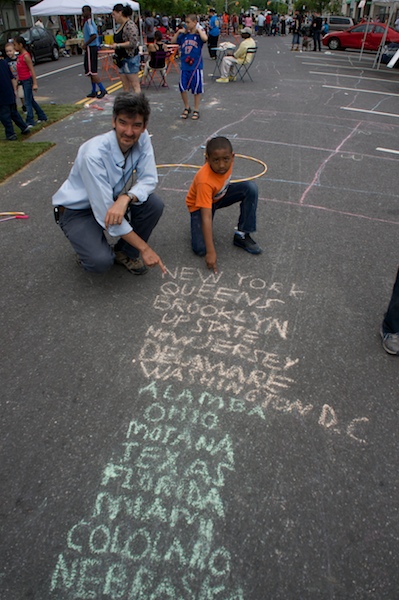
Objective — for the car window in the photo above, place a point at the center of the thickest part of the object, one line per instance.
(379, 29)
(359, 28)
(35, 33)
(9, 35)
(339, 21)
(42, 33)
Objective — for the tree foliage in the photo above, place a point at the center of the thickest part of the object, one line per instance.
(332, 7)
(199, 7)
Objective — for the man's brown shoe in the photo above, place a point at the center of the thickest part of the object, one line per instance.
(134, 265)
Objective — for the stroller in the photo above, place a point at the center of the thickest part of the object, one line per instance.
(306, 37)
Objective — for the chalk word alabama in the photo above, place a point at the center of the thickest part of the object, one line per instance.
(153, 531)
(232, 341)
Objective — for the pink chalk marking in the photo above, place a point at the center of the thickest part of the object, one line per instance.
(15, 217)
(316, 178)
(313, 206)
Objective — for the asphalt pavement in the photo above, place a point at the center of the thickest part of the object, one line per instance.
(211, 436)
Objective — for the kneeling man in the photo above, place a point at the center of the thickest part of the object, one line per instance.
(111, 187)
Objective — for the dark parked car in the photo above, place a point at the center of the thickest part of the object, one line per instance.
(41, 43)
(389, 52)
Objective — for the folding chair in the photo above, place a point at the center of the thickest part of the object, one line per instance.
(171, 60)
(156, 75)
(243, 69)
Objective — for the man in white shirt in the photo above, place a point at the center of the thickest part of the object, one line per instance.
(100, 194)
(261, 23)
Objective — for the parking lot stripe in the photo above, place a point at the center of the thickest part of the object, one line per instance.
(370, 112)
(353, 76)
(338, 87)
(388, 150)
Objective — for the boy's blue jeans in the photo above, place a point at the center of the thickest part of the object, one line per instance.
(246, 193)
(8, 114)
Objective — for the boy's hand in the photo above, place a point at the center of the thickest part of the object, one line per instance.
(210, 259)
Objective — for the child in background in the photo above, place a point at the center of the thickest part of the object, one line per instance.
(210, 190)
(27, 76)
(11, 58)
(61, 39)
(191, 38)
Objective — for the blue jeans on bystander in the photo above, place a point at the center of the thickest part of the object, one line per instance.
(31, 103)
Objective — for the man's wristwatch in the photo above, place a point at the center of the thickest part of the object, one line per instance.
(131, 196)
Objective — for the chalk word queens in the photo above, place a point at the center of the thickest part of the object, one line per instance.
(231, 341)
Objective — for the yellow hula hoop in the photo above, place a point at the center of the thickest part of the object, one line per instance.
(186, 166)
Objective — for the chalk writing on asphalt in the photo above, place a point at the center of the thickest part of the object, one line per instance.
(233, 339)
(153, 528)
(156, 524)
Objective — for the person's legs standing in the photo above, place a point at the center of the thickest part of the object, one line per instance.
(28, 94)
(41, 115)
(212, 45)
(87, 239)
(391, 319)
(129, 74)
(316, 41)
(390, 324)
(18, 120)
(197, 88)
(6, 121)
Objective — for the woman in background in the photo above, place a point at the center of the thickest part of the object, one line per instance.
(126, 48)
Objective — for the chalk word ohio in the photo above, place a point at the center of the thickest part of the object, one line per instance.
(153, 528)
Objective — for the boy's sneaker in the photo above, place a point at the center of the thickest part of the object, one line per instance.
(246, 243)
(222, 80)
(26, 131)
(134, 265)
(390, 342)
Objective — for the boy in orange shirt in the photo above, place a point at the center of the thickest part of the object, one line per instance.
(210, 190)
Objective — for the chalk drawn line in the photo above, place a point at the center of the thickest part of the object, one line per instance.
(187, 166)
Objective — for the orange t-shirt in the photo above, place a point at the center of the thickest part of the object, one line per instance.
(207, 188)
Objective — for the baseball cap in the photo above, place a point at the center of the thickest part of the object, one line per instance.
(246, 30)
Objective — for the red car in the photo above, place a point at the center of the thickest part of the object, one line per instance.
(353, 37)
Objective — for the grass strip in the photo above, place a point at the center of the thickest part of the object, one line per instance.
(15, 155)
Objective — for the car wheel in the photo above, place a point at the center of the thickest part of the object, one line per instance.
(55, 54)
(334, 44)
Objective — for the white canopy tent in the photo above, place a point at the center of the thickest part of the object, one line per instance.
(51, 8)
